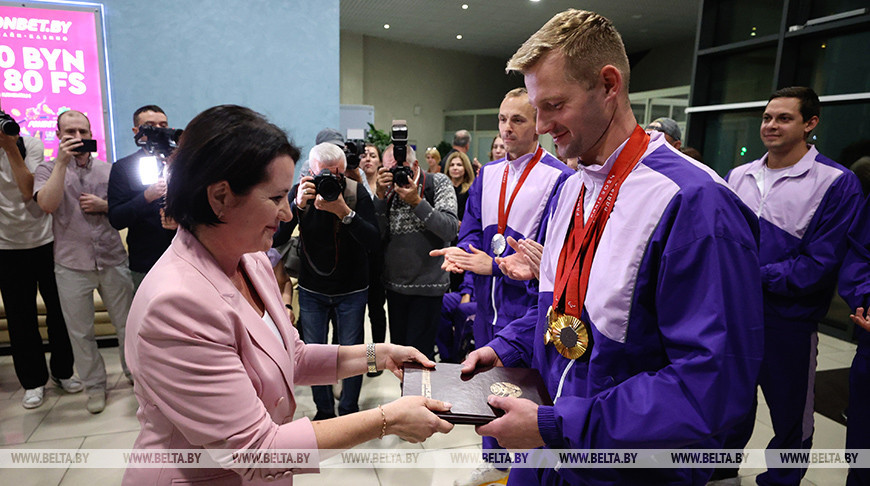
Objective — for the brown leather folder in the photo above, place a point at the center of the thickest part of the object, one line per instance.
(468, 393)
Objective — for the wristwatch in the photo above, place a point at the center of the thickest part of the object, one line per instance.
(371, 358)
(349, 218)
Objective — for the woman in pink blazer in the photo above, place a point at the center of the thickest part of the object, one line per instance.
(212, 351)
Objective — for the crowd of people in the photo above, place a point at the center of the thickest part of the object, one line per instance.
(652, 295)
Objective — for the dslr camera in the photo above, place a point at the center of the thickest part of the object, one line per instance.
(158, 140)
(402, 174)
(353, 149)
(8, 125)
(329, 185)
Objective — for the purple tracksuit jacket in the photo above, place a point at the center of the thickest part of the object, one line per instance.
(499, 298)
(674, 304)
(803, 219)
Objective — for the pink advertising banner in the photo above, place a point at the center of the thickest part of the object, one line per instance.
(50, 60)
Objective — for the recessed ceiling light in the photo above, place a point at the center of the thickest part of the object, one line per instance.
(459, 36)
(464, 6)
(386, 26)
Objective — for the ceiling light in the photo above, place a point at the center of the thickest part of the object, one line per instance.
(459, 36)
(386, 26)
(464, 6)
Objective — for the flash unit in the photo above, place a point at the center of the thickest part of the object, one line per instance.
(149, 170)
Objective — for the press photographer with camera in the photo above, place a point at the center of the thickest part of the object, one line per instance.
(27, 262)
(337, 230)
(416, 214)
(135, 199)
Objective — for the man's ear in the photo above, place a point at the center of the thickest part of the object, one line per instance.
(135, 131)
(220, 196)
(811, 125)
(611, 78)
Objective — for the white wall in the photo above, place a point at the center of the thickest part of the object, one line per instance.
(189, 56)
(395, 77)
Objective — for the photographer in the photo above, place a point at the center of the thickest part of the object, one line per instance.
(135, 204)
(338, 230)
(416, 214)
(27, 262)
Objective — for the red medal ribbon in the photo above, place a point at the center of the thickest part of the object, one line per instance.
(502, 212)
(582, 239)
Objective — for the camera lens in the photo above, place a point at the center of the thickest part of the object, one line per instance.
(8, 126)
(328, 185)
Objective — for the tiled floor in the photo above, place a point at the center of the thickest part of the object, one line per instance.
(63, 423)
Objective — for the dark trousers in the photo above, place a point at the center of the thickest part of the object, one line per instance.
(787, 378)
(347, 312)
(22, 272)
(377, 297)
(858, 419)
(414, 320)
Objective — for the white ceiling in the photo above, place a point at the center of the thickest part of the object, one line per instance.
(498, 27)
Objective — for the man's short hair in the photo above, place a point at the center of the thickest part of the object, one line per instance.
(224, 143)
(518, 92)
(807, 98)
(587, 40)
(154, 108)
(326, 153)
(64, 112)
(462, 138)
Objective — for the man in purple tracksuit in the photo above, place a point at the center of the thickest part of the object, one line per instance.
(855, 290)
(805, 203)
(673, 308)
(508, 198)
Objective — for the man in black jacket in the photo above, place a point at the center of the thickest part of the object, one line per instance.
(136, 205)
(338, 230)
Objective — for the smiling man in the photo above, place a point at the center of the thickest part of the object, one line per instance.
(663, 349)
(805, 203)
(507, 199)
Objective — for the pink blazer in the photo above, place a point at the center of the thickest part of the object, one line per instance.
(210, 374)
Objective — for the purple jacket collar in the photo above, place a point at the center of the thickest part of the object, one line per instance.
(800, 168)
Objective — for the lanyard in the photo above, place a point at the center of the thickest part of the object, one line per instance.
(582, 239)
(502, 211)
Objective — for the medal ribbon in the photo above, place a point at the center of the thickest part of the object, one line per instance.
(582, 239)
(502, 212)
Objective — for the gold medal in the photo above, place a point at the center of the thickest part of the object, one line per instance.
(567, 333)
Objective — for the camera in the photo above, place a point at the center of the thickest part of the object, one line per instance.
(158, 140)
(8, 125)
(353, 149)
(402, 174)
(329, 185)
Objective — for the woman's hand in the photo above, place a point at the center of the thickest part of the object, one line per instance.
(392, 357)
(411, 418)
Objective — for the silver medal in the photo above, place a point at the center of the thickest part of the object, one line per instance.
(499, 244)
